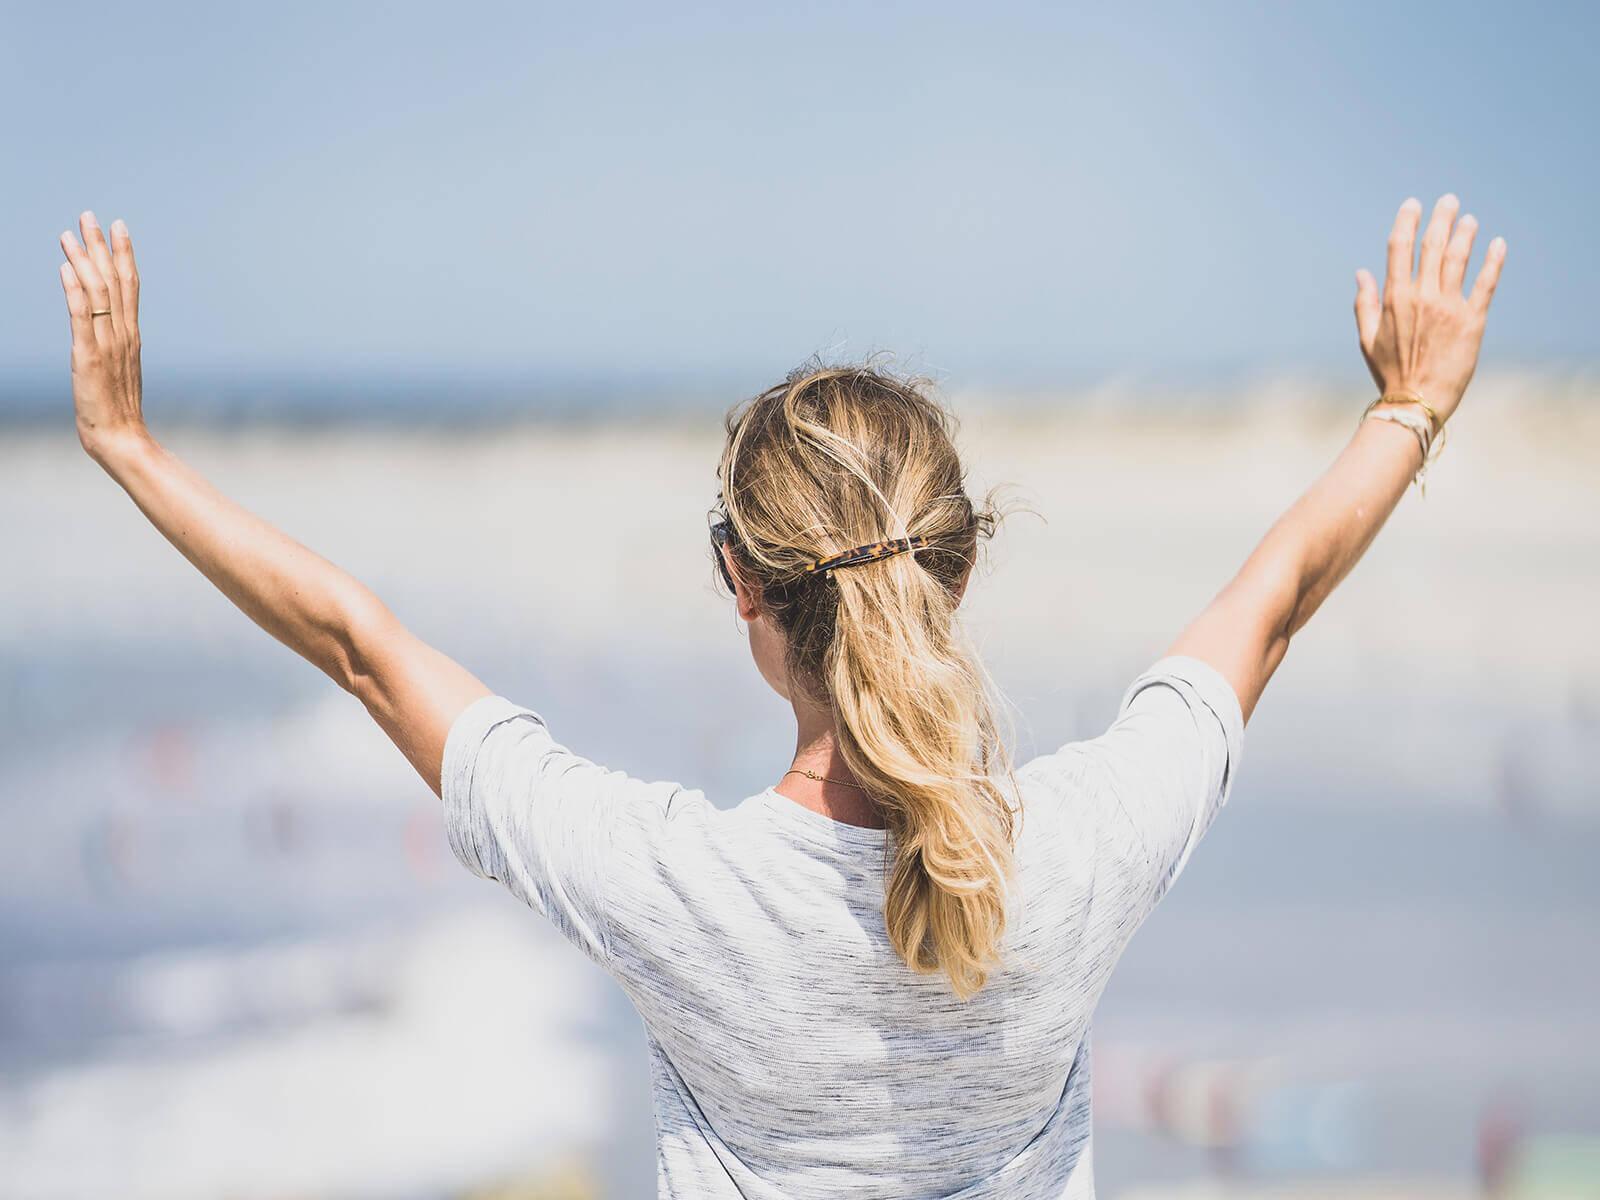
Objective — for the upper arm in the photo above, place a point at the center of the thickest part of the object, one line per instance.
(1243, 634)
(413, 691)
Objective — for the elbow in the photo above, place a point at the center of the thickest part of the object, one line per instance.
(356, 645)
(1277, 593)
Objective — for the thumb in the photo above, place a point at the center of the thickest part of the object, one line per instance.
(1367, 308)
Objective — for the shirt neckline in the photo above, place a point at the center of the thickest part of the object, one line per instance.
(820, 827)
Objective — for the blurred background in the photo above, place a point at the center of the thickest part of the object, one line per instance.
(456, 294)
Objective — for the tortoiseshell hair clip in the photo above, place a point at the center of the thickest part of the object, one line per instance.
(872, 552)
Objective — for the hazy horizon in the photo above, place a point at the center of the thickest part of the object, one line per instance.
(1023, 193)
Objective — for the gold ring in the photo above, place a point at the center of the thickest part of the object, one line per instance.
(103, 312)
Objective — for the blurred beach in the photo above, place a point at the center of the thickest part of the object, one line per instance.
(237, 958)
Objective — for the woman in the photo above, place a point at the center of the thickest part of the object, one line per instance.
(875, 977)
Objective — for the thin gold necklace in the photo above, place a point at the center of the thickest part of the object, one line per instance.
(822, 778)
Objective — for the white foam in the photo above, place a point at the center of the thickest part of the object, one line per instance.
(474, 1065)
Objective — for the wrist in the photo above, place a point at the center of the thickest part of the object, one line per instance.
(1440, 402)
(1409, 417)
(1390, 435)
(116, 450)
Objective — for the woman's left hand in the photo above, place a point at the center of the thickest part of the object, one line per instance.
(102, 288)
(1423, 333)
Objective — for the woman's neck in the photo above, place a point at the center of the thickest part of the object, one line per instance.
(836, 795)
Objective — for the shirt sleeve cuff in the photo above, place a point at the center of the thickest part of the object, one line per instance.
(1205, 691)
(466, 820)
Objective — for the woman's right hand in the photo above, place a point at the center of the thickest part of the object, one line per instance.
(1423, 334)
(102, 287)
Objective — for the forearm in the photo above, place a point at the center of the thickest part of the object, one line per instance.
(1245, 631)
(1324, 534)
(298, 597)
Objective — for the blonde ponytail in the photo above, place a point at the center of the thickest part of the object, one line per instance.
(842, 456)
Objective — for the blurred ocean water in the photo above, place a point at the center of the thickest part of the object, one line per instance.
(237, 958)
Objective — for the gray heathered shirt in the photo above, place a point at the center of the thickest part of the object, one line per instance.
(793, 1053)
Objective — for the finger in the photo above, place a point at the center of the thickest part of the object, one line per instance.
(94, 241)
(127, 272)
(1431, 258)
(1456, 255)
(94, 286)
(1368, 308)
(1488, 276)
(77, 307)
(1402, 241)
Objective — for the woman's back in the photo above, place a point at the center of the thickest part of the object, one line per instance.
(793, 1054)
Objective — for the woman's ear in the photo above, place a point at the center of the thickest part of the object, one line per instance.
(961, 588)
(745, 598)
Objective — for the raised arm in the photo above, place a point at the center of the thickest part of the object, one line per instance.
(1420, 339)
(320, 612)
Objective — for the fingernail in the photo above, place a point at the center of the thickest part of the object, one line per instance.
(1449, 198)
(1412, 202)
(1469, 219)
(89, 218)
(119, 227)
(1498, 244)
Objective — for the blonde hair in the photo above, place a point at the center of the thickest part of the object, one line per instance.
(841, 456)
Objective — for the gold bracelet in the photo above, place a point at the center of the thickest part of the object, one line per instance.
(1399, 397)
(1430, 437)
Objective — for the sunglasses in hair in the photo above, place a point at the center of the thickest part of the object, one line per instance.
(722, 535)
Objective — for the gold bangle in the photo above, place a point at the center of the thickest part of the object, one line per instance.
(1398, 397)
(1430, 439)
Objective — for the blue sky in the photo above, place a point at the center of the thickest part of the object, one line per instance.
(990, 190)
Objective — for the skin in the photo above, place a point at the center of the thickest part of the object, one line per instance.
(1421, 335)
